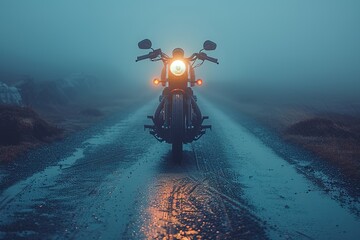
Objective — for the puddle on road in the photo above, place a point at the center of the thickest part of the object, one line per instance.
(292, 205)
(185, 202)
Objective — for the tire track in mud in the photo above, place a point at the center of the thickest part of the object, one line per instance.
(199, 199)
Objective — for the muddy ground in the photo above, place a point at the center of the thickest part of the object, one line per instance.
(56, 122)
(332, 133)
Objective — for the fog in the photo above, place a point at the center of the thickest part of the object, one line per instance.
(281, 47)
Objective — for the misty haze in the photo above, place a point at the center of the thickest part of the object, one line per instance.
(179, 119)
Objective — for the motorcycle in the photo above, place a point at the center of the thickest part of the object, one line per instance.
(177, 119)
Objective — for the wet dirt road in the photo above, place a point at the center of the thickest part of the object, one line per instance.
(114, 181)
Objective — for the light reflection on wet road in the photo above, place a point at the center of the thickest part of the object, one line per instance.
(117, 182)
(194, 202)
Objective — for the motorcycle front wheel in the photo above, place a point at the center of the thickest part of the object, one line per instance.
(177, 126)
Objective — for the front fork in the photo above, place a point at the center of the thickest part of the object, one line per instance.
(189, 96)
(166, 107)
(162, 117)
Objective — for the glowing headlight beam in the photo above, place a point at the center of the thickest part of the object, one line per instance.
(178, 67)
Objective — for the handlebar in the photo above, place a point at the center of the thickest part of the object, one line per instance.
(156, 53)
(211, 59)
(204, 56)
(143, 57)
(151, 55)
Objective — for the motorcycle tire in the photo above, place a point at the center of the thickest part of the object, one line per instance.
(177, 126)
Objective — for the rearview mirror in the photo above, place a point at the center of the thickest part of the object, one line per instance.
(145, 44)
(209, 45)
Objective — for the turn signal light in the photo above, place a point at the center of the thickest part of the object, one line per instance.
(156, 81)
(199, 82)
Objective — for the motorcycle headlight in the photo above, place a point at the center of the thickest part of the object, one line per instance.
(178, 67)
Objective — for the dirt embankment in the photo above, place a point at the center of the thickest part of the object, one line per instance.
(332, 137)
(71, 104)
(22, 128)
(331, 133)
